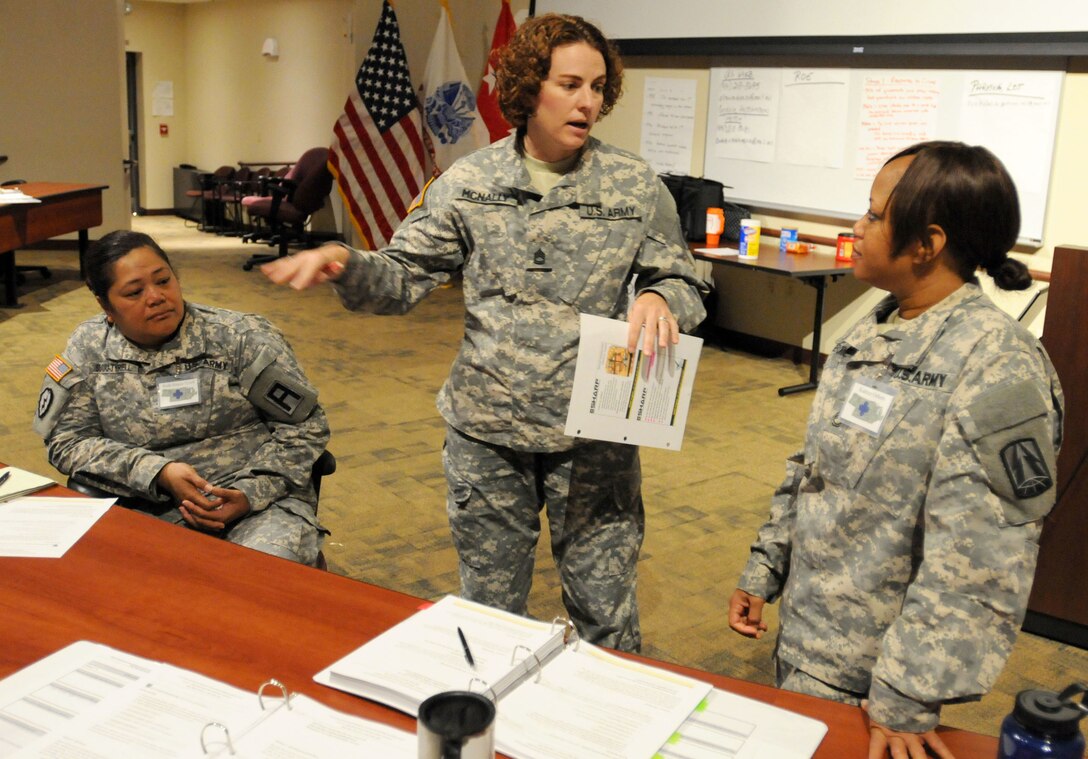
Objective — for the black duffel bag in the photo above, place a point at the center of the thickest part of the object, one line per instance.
(693, 195)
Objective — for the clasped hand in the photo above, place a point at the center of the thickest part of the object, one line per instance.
(203, 505)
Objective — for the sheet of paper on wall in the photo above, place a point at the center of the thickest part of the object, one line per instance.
(47, 527)
(625, 398)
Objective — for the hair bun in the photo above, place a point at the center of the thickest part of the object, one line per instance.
(1010, 274)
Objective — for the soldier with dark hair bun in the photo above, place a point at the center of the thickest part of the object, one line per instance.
(903, 540)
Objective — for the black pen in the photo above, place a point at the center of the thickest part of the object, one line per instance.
(464, 646)
(4, 478)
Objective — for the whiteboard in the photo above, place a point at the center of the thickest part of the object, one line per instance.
(812, 139)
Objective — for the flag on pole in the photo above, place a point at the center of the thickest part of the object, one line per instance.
(377, 154)
(487, 100)
(449, 105)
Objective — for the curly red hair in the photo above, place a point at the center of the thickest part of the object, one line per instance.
(525, 61)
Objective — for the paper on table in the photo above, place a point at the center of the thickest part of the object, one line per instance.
(422, 655)
(728, 726)
(12, 195)
(554, 701)
(91, 700)
(47, 527)
(719, 252)
(20, 482)
(310, 729)
(630, 399)
(588, 702)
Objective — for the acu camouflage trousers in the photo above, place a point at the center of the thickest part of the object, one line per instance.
(593, 500)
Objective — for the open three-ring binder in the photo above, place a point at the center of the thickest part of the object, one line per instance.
(92, 700)
(556, 696)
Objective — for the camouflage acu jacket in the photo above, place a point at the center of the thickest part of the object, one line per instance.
(530, 265)
(252, 421)
(904, 546)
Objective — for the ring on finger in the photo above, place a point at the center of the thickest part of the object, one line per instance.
(662, 318)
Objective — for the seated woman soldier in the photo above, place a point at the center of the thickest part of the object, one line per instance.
(198, 415)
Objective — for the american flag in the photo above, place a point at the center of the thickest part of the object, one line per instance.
(377, 153)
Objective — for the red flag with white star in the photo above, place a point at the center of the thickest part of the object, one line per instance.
(487, 103)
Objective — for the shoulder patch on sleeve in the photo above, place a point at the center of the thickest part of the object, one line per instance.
(58, 368)
(51, 401)
(418, 202)
(282, 396)
(276, 392)
(1026, 468)
(1011, 429)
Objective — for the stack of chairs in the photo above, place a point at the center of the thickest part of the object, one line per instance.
(290, 203)
(213, 208)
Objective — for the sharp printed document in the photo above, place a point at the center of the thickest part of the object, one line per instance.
(47, 527)
(623, 398)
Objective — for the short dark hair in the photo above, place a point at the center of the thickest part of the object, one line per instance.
(966, 191)
(526, 60)
(98, 263)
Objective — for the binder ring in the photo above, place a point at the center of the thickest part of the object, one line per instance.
(539, 667)
(226, 737)
(487, 689)
(568, 630)
(528, 653)
(274, 683)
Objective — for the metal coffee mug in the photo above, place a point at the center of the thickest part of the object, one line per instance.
(456, 724)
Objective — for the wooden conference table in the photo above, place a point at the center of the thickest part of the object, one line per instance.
(64, 208)
(814, 269)
(165, 593)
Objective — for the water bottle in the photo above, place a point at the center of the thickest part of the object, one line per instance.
(1044, 725)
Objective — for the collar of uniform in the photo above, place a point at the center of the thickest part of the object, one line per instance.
(582, 183)
(918, 334)
(188, 342)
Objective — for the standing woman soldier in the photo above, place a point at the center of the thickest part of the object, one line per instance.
(544, 224)
(903, 540)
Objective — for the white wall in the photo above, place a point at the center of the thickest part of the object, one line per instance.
(233, 104)
(156, 32)
(62, 97)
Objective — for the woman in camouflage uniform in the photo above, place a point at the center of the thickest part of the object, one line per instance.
(198, 415)
(903, 540)
(543, 224)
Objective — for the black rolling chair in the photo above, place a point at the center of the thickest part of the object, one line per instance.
(294, 198)
(325, 465)
(20, 270)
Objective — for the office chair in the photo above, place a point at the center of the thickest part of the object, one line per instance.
(293, 199)
(212, 214)
(19, 270)
(325, 465)
(231, 192)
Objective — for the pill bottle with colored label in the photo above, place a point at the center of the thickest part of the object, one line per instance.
(749, 238)
(785, 237)
(844, 251)
(715, 225)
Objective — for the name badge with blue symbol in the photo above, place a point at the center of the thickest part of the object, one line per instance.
(867, 405)
(183, 390)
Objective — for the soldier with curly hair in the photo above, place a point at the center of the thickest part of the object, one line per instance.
(544, 224)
